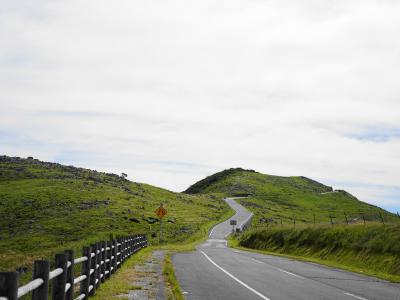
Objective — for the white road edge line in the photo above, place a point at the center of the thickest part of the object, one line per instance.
(287, 272)
(236, 279)
(257, 261)
(355, 296)
(212, 230)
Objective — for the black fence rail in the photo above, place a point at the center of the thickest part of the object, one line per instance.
(98, 263)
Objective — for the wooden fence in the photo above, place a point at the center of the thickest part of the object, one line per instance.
(98, 263)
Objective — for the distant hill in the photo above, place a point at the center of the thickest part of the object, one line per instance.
(47, 206)
(290, 199)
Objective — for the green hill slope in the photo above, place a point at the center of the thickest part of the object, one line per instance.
(47, 207)
(288, 200)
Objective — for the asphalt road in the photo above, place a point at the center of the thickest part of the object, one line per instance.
(215, 271)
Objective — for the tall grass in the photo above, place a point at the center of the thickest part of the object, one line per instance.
(374, 248)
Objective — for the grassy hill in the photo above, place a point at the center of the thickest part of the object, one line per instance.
(276, 199)
(47, 207)
(285, 208)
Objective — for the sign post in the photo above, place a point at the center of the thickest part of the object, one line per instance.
(233, 223)
(161, 212)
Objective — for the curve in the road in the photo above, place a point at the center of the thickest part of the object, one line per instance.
(215, 271)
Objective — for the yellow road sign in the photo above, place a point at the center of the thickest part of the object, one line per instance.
(161, 212)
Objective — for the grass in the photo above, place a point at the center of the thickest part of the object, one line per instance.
(172, 281)
(46, 208)
(370, 250)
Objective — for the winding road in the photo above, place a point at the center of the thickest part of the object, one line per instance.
(215, 271)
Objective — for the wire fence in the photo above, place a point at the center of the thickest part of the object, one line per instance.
(98, 262)
(266, 222)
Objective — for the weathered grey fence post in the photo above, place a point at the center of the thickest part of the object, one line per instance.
(93, 265)
(122, 258)
(41, 269)
(123, 249)
(103, 259)
(135, 243)
(116, 252)
(58, 286)
(69, 295)
(9, 285)
(109, 258)
(112, 257)
(98, 264)
(87, 251)
(129, 246)
(115, 265)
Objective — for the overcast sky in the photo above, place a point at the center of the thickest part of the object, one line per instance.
(172, 91)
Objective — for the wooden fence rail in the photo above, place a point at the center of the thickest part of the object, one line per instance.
(98, 263)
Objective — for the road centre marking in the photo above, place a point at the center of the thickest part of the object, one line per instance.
(236, 279)
(355, 296)
(287, 272)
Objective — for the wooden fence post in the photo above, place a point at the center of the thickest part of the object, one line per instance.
(117, 256)
(135, 243)
(122, 250)
(70, 274)
(130, 245)
(98, 264)
(87, 251)
(9, 285)
(58, 286)
(345, 216)
(93, 265)
(108, 257)
(41, 269)
(114, 253)
(103, 259)
(330, 216)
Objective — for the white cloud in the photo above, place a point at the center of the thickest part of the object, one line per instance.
(170, 91)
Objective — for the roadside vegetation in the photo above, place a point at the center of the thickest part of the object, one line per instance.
(373, 249)
(171, 280)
